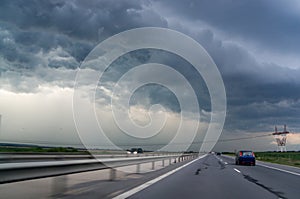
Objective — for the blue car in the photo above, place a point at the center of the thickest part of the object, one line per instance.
(245, 157)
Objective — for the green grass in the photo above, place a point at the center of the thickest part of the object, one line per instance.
(228, 153)
(287, 158)
(36, 149)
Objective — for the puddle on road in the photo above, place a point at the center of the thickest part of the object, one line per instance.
(277, 193)
(222, 165)
(197, 172)
(200, 169)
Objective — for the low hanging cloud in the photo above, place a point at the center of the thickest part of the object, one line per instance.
(44, 117)
(254, 44)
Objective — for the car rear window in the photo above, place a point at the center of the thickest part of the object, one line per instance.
(247, 153)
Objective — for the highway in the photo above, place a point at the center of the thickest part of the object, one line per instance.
(218, 177)
(208, 176)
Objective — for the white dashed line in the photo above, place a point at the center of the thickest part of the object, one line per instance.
(225, 162)
(237, 170)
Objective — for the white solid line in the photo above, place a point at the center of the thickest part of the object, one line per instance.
(290, 172)
(147, 184)
(237, 170)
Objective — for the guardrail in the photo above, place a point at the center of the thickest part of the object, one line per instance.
(12, 172)
(23, 157)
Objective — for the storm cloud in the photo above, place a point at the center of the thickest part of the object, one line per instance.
(255, 45)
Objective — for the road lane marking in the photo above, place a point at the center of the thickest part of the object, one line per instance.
(286, 171)
(149, 183)
(225, 162)
(237, 170)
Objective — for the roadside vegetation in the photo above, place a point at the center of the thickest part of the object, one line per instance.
(37, 149)
(287, 158)
(291, 158)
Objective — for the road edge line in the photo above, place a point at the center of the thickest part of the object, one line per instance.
(282, 170)
(151, 182)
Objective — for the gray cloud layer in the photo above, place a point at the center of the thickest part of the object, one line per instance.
(45, 41)
(271, 25)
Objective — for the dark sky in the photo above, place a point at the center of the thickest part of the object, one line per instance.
(255, 45)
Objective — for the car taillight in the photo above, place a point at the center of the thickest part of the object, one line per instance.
(241, 153)
(253, 154)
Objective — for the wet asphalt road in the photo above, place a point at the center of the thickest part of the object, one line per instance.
(208, 177)
(218, 177)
